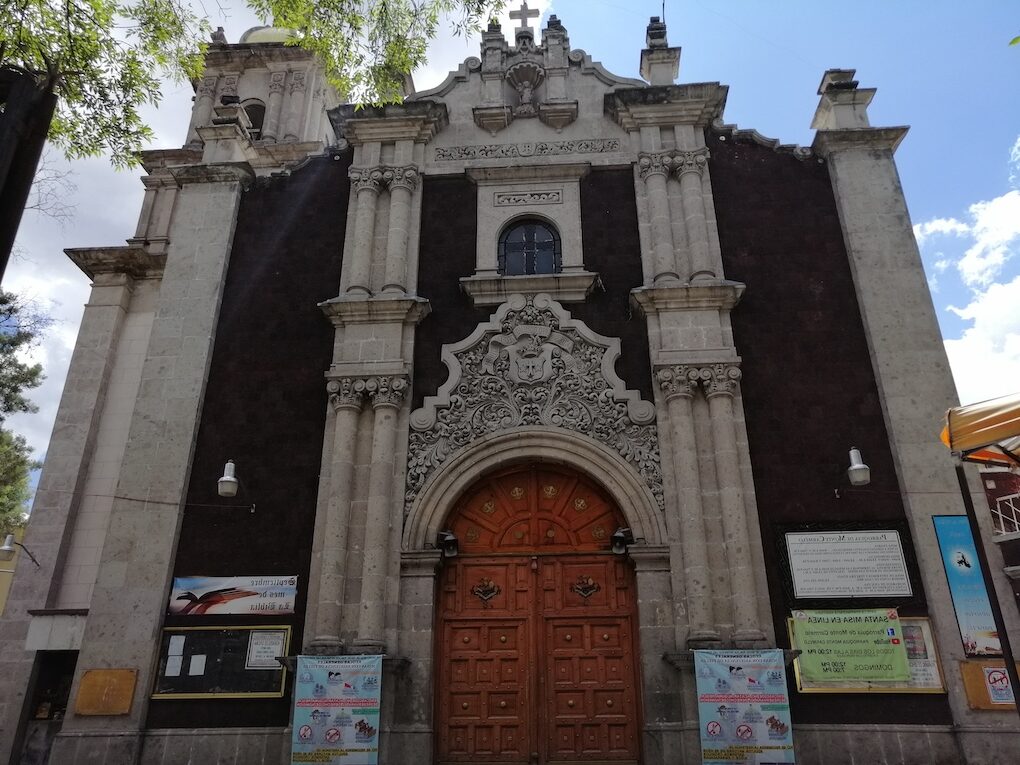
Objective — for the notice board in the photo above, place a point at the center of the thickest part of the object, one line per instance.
(223, 662)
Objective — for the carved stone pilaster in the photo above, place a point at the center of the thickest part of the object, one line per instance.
(655, 163)
(720, 379)
(367, 179)
(346, 393)
(386, 391)
(690, 162)
(680, 380)
(406, 177)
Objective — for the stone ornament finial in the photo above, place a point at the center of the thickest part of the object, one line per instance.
(523, 15)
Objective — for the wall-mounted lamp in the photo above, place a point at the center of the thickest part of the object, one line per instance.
(7, 551)
(446, 541)
(229, 483)
(620, 539)
(858, 473)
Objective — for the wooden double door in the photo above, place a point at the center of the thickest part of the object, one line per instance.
(536, 650)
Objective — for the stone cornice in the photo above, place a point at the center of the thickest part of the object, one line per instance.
(161, 159)
(249, 55)
(849, 139)
(413, 120)
(360, 309)
(567, 287)
(694, 104)
(717, 294)
(132, 261)
(230, 172)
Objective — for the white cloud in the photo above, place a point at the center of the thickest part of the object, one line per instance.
(995, 230)
(986, 358)
(1014, 160)
(922, 231)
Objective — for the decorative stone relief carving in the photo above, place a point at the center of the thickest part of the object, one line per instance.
(517, 198)
(386, 391)
(532, 364)
(351, 392)
(684, 380)
(690, 162)
(346, 393)
(538, 149)
(380, 177)
(276, 82)
(657, 163)
(525, 76)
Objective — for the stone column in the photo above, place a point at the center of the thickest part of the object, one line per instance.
(295, 107)
(654, 169)
(387, 394)
(402, 183)
(58, 496)
(689, 168)
(720, 383)
(679, 385)
(271, 128)
(201, 113)
(346, 396)
(367, 183)
(129, 598)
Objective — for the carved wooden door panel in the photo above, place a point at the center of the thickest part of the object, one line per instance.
(536, 649)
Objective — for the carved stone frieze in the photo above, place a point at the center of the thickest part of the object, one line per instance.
(532, 364)
(517, 198)
(537, 149)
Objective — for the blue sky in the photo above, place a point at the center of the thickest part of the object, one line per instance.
(946, 71)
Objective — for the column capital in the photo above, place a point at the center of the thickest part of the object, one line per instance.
(720, 379)
(677, 381)
(695, 161)
(386, 391)
(297, 82)
(276, 82)
(404, 177)
(366, 179)
(207, 86)
(655, 163)
(346, 393)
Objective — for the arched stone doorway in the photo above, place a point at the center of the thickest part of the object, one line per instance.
(536, 626)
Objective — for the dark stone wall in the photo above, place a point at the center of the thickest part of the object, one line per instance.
(265, 408)
(808, 386)
(447, 253)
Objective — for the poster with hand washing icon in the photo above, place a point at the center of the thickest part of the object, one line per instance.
(336, 710)
(743, 707)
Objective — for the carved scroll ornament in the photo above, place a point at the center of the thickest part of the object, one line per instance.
(532, 364)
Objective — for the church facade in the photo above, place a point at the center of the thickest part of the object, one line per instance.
(526, 381)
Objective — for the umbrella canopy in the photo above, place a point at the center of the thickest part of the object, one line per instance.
(987, 432)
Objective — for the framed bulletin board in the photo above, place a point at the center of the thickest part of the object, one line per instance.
(922, 657)
(222, 662)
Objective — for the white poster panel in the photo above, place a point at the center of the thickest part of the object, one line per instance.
(848, 564)
(215, 595)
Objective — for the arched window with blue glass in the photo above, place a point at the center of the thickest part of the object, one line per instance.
(529, 246)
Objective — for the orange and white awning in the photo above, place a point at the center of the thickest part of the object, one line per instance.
(987, 432)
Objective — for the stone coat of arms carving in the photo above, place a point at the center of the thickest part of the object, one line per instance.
(532, 364)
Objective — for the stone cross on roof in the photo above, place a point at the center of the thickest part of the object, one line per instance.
(524, 14)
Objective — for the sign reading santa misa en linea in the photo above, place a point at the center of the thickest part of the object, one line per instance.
(336, 710)
(743, 707)
(863, 644)
(215, 595)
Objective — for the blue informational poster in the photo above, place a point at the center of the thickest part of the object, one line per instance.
(743, 707)
(336, 710)
(967, 586)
